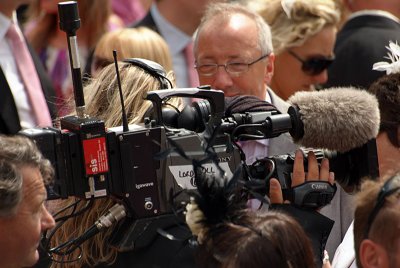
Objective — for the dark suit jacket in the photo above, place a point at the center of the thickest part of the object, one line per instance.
(361, 43)
(9, 119)
(147, 22)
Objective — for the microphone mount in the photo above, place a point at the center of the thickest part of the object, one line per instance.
(70, 23)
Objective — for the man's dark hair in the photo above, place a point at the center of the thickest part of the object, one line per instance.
(387, 91)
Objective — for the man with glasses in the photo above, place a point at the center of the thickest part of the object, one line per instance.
(377, 224)
(233, 53)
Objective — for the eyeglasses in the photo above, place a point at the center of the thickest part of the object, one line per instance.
(233, 68)
(390, 187)
(314, 65)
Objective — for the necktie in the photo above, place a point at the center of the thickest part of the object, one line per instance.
(192, 74)
(29, 76)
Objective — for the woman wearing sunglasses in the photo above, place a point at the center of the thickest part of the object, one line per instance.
(303, 37)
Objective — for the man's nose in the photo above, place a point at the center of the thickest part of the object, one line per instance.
(47, 220)
(222, 79)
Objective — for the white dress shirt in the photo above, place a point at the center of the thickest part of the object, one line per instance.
(345, 253)
(177, 42)
(256, 149)
(10, 70)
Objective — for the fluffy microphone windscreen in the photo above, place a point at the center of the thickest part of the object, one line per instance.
(246, 103)
(337, 119)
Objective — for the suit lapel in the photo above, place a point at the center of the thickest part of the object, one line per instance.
(9, 119)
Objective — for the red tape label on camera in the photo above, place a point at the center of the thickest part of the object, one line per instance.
(95, 154)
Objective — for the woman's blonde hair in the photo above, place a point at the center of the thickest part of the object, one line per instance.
(103, 99)
(139, 42)
(103, 102)
(304, 19)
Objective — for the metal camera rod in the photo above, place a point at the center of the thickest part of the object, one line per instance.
(69, 23)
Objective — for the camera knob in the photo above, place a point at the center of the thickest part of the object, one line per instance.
(148, 205)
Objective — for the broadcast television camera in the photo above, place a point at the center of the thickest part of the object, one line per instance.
(92, 161)
(349, 166)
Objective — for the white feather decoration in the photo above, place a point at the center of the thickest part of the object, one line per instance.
(394, 56)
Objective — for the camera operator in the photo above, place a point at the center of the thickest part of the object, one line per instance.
(247, 238)
(23, 215)
(317, 226)
(102, 101)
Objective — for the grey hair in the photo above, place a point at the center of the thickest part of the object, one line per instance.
(10, 188)
(223, 11)
(15, 153)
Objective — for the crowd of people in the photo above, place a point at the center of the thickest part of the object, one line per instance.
(266, 49)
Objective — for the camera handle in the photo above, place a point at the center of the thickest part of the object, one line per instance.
(215, 97)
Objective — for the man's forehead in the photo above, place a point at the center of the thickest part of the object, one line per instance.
(238, 29)
(33, 182)
(232, 22)
(227, 47)
(239, 21)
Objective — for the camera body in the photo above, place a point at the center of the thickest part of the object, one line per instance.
(349, 167)
(91, 161)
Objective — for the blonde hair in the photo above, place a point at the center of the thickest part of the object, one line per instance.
(304, 19)
(102, 102)
(139, 42)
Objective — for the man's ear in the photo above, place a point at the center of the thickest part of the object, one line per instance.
(373, 255)
(269, 71)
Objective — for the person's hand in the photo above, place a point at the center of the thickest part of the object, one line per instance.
(299, 176)
(325, 261)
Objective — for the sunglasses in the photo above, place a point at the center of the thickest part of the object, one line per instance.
(390, 187)
(314, 65)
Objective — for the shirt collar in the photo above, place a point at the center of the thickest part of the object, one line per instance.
(267, 96)
(175, 38)
(381, 13)
(5, 23)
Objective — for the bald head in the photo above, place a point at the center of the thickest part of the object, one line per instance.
(233, 51)
(235, 17)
